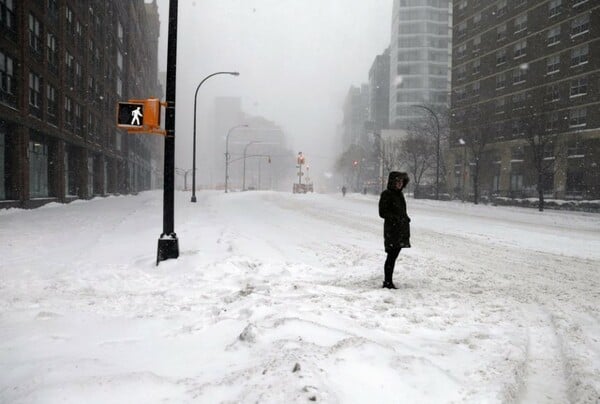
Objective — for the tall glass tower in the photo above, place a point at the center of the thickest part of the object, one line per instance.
(420, 58)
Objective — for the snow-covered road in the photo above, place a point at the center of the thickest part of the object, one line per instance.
(276, 298)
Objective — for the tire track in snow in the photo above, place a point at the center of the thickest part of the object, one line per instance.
(544, 378)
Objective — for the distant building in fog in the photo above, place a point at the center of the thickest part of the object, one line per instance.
(379, 91)
(64, 65)
(419, 58)
(356, 114)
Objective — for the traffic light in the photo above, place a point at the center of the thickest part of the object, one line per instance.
(300, 158)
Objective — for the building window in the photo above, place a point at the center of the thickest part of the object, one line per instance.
(476, 66)
(553, 64)
(475, 87)
(78, 119)
(51, 104)
(552, 93)
(552, 122)
(500, 105)
(78, 75)
(476, 20)
(476, 43)
(462, 29)
(516, 176)
(34, 94)
(7, 90)
(579, 55)
(69, 62)
(119, 32)
(501, 57)
(35, 40)
(461, 73)
(7, 16)
(52, 52)
(501, 32)
(518, 101)
(38, 169)
(554, 8)
(69, 17)
(68, 113)
(462, 5)
(580, 25)
(577, 117)
(119, 86)
(119, 60)
(519, 76)
(579, 87)
(118, 140)
(53, 8)
(553, 36)
(521, 23)
(501, 8)
(520, 49)
(500, 81)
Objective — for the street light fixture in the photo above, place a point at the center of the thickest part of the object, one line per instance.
(437, 151)
(194, 145)
(227, 153)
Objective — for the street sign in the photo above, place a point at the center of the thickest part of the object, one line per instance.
(130, 115)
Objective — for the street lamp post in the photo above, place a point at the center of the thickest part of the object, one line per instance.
(227, 153)
(194, 145)
(437, 151)
(381, 156)
(244, 177)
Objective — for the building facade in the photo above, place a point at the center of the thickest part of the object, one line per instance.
(64, 65)
(379, 94)
(419, 58)
(525, 75)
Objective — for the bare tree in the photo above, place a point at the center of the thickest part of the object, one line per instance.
(418, 152)
(476, 137)
(433, 123)
(540, 143)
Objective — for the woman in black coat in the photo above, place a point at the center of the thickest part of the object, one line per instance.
(396, 225)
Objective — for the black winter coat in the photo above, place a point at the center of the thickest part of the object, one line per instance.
(392, 208)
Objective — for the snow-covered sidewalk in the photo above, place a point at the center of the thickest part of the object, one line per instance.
(276, 298)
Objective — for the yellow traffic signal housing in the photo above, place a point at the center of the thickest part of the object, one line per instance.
(140, 116)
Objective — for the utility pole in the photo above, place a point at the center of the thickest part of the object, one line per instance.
(168, 244)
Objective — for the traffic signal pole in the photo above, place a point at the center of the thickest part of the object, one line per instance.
(168, 244)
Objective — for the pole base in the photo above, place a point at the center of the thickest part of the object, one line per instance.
(194, 198)
(168, 247)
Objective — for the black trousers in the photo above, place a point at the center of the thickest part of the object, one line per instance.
(390, 262)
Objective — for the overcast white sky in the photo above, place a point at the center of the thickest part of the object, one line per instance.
(296, 58)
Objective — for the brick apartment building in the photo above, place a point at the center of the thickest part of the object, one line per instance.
(521, 70)
(64, 64)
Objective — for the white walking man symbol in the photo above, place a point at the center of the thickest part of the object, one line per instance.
(136, 116)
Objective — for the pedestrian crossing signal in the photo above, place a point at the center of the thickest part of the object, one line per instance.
(130, 115)
(140, 116)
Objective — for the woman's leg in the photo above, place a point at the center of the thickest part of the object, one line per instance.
(390, 262)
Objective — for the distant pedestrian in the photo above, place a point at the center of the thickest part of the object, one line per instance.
(396, 225)
(344, 190)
